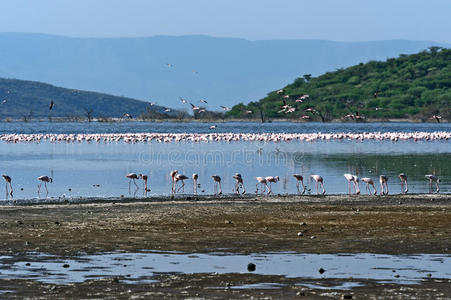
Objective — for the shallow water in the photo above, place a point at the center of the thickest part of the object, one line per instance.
(99, 169)
(142, 267)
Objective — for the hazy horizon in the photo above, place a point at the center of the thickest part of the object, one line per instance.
(342, 21)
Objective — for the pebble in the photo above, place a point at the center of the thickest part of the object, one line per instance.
(313, 237)
(251, 267)
(321, 270)
(346, 296)
(303, 224)
(300, 234)
(300, 294)
(66, 266)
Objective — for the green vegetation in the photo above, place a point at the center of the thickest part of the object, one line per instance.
(411, 86)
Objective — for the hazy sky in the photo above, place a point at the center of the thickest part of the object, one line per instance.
(340, 20)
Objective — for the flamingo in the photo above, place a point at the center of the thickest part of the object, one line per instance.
(51, 105)
(194, 107)
(355, 180)
(238, 183)
(301, 179)
(203, 101)
(173, 174)
(369, 182)
(383, 181)
(319, 180)
(433, 178)
(180, 177)
(263, 182)
(225, 108)
(132, 176)
(217, 181)
(271, 179)
(195, 177)
(8, 180)
(44, 179)
(144, 178)
(403, 178)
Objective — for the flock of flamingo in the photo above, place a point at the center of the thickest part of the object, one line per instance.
(225, 137)
(265, 183)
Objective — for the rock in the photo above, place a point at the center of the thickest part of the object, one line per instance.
(57, 222)
(66, 266)
(313, 237)
(300, 294)
(321, 270)
(69, 189)
(300, 234)
(19, 222)
(21, 189)
(346, 296)
(429, 275)
(28, 264)
(303, 224)
(228, 222)
(188, 198)
(27, 243)
(397, 276)
(251, 267)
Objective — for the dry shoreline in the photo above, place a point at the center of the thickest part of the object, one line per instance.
(394, 224)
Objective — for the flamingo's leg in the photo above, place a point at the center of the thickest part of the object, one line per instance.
(436, 184)
(45, 185)
(244, 189)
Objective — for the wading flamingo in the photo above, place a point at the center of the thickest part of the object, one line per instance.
(403, 178)
(271, 179)
(173, 174)
(217, 182)
(299, 178)
(195, 177)
(355, 181)
(319, 180)
(262, 181)
(132, 177)
(238, 183)
(433, 178)
(369, 182)
(8, 181)
(44, 179)
(180, 177)
(384, 186)
(144, 178)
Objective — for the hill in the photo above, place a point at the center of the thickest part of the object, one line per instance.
(22, 99)
(225, 71)
(410, 86)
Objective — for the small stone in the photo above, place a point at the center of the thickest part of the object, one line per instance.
(429, 275)
(313, 237)
(300, 234)
(69, 189)
(188, 198)
(19, 222)
(397, 276)
(300, 294)
(303, 224)
(321, 270)
(228, 222)
(251, 267)
(28, 264)
(346, 296)
(21, 189)
(66, 266)
(57, 222)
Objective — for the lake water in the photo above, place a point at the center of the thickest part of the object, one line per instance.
(141, 267)
(99, 169)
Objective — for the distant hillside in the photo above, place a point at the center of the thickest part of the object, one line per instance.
(417, 85)
(224, 71)
(24, 99)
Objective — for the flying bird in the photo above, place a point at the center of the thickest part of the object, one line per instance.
(203, 101)
(51, 105)
(226, 108)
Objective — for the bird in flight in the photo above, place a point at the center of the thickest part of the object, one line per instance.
(51, 105)
(4, 101)
(182, 100)
(203, 101)
(194, 107)
(126, 115)
(225, 108)
(436, 117)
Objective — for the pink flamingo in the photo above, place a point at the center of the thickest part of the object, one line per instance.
(403, 178)
(195, 177)
(384, 186)
(144, 178)
(263, 182)
(319, 180)
(271, 179)
(299, 178)
(44, 179)
(433, 178)
(217, 182)
(173, 174)
(369, 182)
(238, 183)
(8, 180)
(180, 177)
(355, 181)
(133, 177)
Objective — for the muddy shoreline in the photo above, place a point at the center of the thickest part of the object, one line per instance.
(394, 224)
